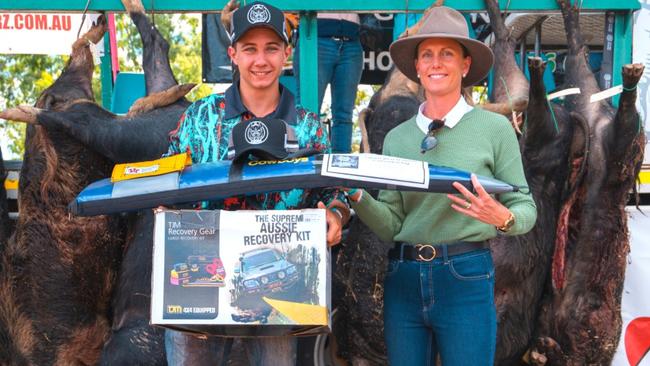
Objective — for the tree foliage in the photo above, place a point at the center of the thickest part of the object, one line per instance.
(24, 77)
(183, 32)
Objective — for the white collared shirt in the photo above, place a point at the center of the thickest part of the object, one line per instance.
(451, 119)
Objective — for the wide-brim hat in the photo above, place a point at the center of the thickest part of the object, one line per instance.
(443, 22)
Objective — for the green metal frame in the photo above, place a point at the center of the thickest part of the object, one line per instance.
(175, 6)
(107, 74)
(309, 52)
(308, 9)
(622, 53)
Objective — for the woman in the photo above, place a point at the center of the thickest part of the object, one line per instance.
(439, 289)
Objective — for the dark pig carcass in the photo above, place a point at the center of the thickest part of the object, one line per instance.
(58, 271)
(553, 147)
(137, 137)
(553, 142)
(509, 89)
(133, 340)
(580, 322)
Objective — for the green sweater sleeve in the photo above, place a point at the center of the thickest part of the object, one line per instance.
(509, 168)
(383, 216)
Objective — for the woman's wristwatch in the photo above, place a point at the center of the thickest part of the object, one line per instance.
(508, 224)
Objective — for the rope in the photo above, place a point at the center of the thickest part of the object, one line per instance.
(503, 81)
(153, 14)
(525, 125)
(153, 26)
(406, 17)
(83, 18)
(557, 129)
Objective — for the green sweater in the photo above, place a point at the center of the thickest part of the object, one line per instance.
(483, 143)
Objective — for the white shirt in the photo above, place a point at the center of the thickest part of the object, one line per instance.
(451, 119)
(350, 17)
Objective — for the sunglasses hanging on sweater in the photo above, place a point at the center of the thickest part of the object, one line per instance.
(430, 141)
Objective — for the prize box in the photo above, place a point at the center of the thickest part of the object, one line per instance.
(241, 273)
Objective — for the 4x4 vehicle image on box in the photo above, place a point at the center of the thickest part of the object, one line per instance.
(263, 271)
(269, 273)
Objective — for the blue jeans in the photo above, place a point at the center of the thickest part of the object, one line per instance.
(340, 64)
(444, 307)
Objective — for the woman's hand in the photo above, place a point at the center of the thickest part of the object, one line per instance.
(482, 206)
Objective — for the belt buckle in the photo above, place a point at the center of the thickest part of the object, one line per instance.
(421, 247)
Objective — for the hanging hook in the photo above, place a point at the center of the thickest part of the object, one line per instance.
(83, 18)
(406, 18)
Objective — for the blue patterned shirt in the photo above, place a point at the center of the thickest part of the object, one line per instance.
(204, 130)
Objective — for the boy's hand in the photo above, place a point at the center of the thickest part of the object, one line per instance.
(334, 225)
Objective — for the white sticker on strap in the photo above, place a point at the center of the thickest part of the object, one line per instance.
(607, 93)
(563, 93)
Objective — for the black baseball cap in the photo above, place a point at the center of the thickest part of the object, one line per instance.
(264, 138)
(257, 14)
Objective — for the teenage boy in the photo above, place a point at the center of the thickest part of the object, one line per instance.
(259, 49)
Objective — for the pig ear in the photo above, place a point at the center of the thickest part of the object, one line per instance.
(48, 101)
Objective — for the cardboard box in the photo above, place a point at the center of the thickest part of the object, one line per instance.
(241, 273)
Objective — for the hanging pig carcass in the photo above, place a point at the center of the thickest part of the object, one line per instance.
(509, 90)
(553, 146)
(580, 320)
(62, 313)
(58, 272)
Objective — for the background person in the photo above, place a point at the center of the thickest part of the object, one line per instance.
(340, 63)
(259, 49)
(439, 288)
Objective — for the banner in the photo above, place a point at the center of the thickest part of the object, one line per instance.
(634, 346)
(241, 273)
(376, 36)
(42, 33)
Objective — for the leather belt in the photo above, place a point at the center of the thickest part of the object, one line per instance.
(428, 252)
